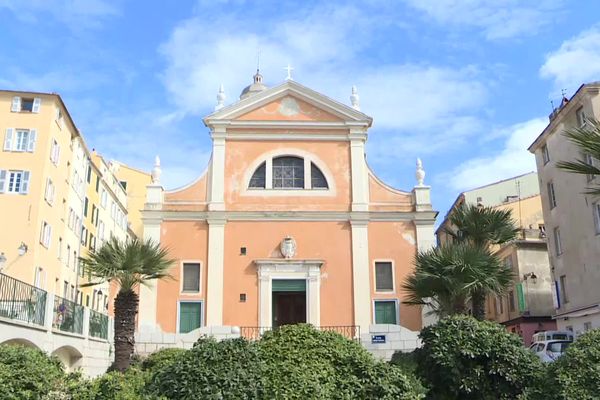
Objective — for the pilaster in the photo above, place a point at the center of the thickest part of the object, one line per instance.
(214, 281)
(217, 178)
(359, 177)
(360, 274)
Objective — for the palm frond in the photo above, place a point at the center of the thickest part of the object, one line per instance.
(587, 139)
(129, 263)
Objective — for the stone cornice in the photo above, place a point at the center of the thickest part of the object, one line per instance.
(419, 218)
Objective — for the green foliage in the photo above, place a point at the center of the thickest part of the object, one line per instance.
(128, 263)
(406, 361)
(303, 363)
(119, 386)
(463, 358)
(224, 370)
(576, 374)
(27, 373)
(587, 139)
(445, 277)
(161, 359)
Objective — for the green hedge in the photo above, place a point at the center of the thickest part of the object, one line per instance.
(27, 373)
(463, 358)
(224, 370)
(303, 363)
(576, 375)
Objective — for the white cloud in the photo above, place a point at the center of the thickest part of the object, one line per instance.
(510, 160)
(407, 101)
(497, 19)
(577, 61)
(77, 14)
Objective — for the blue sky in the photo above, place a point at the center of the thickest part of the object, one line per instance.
(464, 84)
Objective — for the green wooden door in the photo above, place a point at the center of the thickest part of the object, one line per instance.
(190, 316)
(385, 312)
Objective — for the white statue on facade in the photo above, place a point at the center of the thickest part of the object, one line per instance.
(354, 99)
(156, 171)
(288, 247)
(420, 173)
(220, 98)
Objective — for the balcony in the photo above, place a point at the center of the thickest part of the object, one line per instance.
(21, 302)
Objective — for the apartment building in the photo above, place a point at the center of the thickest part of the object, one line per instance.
(36, 190)
(58, 200)
(527, 307)
(572, 217)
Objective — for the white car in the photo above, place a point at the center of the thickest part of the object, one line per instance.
(550, 350)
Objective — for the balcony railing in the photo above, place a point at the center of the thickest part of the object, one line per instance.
(98, 325)
(349, 331)
(68, 316)
(21, 301)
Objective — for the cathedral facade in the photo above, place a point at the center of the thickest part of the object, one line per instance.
(287, 224)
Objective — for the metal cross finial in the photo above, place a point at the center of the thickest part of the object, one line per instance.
(258, 61)
(289, 70)
(563, 92)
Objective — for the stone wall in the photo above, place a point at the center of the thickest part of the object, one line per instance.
(384, 340)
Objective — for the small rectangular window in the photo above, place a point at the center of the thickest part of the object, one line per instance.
(581, 120)
(89, 174)
(21, 140)
(191, 277)
(563, 289)
(545, 154)
(55, 152)
(596, 207)
(511, 300)
(384, 277)
(85, 207)
(385, 312)
(557, 241)
(587, 326)
(551, 195)
(27, 104)
(45, 234)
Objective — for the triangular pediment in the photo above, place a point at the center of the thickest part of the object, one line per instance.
(289, 108)
(289, 102)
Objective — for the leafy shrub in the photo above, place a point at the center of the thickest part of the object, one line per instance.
(406, 361)
(463, 358)
(300, 362)
(576, 375)
(27, 373)
(161, 359)
(229, 369)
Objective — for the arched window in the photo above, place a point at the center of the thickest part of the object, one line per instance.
(317, 178)
(258, 178)
(288, 173)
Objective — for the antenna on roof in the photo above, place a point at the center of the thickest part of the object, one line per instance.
(258, 61)
(563, 92)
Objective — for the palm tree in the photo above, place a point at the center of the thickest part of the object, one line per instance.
(587, 138)
(445, 277)
(482, 227)
(129, 264)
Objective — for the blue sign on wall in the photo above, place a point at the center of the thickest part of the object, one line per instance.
(376, 339)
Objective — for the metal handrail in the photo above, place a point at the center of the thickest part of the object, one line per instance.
(349, 331)
(68, 316)
(98, 325)
(21, 301)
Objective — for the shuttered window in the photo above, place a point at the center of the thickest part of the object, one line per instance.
(385, 312)
(191, 277)
(384, 276)
(190, 316)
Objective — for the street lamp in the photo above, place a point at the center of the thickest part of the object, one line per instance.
(531, 275)
(22, 249)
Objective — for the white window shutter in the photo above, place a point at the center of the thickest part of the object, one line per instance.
(2, 180)
(57, 154)
(49, 237)
(36, 105)
(32, 138)
(16, 104)
(8, 139)
(25, 183)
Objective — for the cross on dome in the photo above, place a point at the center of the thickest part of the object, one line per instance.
(289, 70)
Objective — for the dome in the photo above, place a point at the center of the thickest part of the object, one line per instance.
(256, 87)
